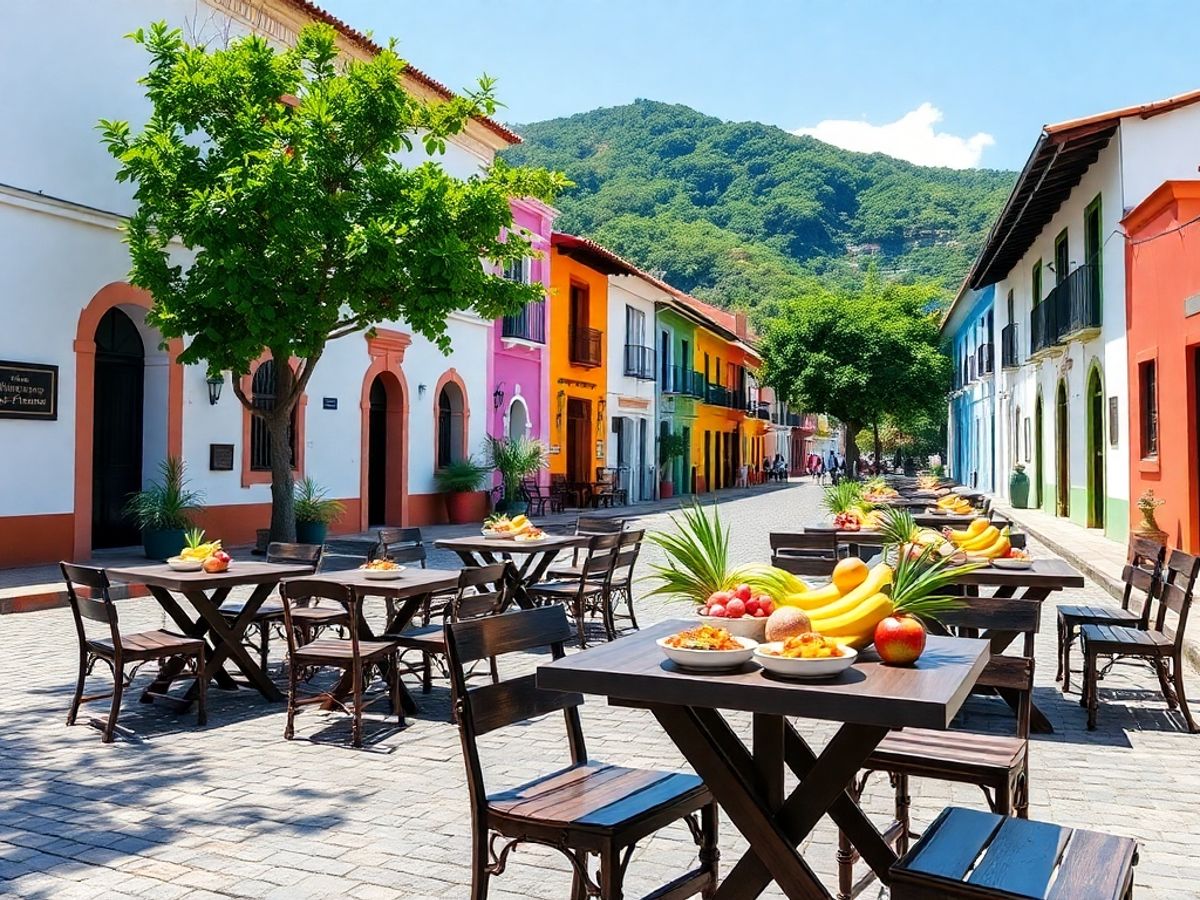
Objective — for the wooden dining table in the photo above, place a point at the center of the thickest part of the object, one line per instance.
(530, 559)
(205, 592)
(868, 700)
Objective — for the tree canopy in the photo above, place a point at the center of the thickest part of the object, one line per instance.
(867, 357)
(282, 173)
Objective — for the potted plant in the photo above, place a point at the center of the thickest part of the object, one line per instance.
(671, 446)
(163, 510)
(461, 481)
(315, 512)
(515, 459)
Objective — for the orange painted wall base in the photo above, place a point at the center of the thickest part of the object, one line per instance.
(28, 540)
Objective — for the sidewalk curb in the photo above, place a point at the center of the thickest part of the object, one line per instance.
(1191, 646)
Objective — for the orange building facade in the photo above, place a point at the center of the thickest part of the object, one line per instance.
(1163, 340)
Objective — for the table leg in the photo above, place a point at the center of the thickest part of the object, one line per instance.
(401, 620)
(227, 640)
(171, 668)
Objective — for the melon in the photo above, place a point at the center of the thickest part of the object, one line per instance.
(786, 622)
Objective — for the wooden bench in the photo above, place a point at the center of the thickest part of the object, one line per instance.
(972, 854)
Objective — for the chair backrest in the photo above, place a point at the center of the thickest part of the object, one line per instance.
(488, 707)
(627, 555)
(805, 553)
(402, 545)
(598, 525)
(1143, 572)
(303, 591)
(1006, 615)
(533, 490)
(280, 552)
(341, 555)
(481, 591)
(96, 605)
(1175, 592)
(601, 556)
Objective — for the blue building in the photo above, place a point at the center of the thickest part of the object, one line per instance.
(969, 329)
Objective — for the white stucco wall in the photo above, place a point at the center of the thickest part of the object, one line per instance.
(627, 290)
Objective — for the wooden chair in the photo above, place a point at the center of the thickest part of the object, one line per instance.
(998, 764)
(589, 590)
(344, 554)
(586, 525)
(806, 553)
(587, 809)
(270, 614)
(539, 500)
(118, 651)
(622, 576)
(481, 591)
(1154, 642)
(563, 491)
(358, 658)
(968, 853)
(402, 545)
(1142, 572)
(603, 490)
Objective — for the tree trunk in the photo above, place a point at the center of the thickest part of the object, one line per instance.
(878, 446)
(283, 499)
(851, 432)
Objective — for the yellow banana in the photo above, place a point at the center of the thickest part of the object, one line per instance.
(985, 538)
(997, 549)
(859, 621)
(877, 579)
(814, 599)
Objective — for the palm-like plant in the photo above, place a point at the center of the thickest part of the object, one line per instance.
(919, 581)
(697, 553)
(166, 505)
(843, 497)
(897, 526)
(516, 459)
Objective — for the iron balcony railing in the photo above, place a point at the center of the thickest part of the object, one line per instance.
(794, 420)
(527, 325)
(1009, 357)
(985, 365)
(585, 346)
(639, 362)
(760, 410)
(1073, 306)
(716, 395)
(681, 380)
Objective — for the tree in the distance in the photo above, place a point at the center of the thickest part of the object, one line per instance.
(278, 170)
(864, 357)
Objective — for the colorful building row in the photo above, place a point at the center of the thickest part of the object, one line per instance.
(1075, 326)
(581, 370)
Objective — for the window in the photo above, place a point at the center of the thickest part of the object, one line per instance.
(449, 424)
(1011, 305)
(518, 270)
(1062, 257)
(1037, 282)
(262, 395)
(635, 327)
(1148, 394)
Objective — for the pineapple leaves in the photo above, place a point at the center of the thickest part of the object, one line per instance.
(919, 582)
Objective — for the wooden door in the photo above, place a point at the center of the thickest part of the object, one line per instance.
(1062, 452)
(579, 440)
(117, 428)
(1095, 451)
(1038, 456)
(377, 451)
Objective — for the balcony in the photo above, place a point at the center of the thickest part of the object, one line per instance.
(760, 410)
(984, 364)
(639, 362)
(585, 344)
(716, 395)
(681, 380)
(527, 325)
(794, 420)
(1070, 312)
(1009, 357)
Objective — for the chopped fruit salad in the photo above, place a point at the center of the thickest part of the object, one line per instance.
(706, 637)
(380, 565)
(809, 645)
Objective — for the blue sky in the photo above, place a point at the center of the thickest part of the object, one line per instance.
(958, 83)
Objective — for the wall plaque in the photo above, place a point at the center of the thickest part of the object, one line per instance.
(220, 457)
(28, 391)
(329, 402)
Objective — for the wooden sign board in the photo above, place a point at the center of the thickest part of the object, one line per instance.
(28, 391)
(220, 457)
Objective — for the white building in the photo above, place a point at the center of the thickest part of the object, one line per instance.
(379, 414)
(1056, 256)
(632, 382)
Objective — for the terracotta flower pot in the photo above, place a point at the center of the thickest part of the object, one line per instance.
(465, 507)
(666, 490)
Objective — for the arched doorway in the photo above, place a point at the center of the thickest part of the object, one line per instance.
(1039, 474)
(1062, 453)
(451, 424)
(116, 428)
(1095, 449)
(385, 451)
(518, 419)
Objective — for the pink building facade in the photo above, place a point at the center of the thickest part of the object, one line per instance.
(519, 366)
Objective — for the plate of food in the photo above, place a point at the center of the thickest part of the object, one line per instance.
(707, 649)
(530, 536)
(502, 528)
(381, 570)
(805, 656)
(179, 564)
(1015, 559)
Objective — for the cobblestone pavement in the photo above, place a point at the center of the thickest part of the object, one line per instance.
(234, 810)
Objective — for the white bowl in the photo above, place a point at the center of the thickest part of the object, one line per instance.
(383, 574)
(710, 660)
(1006, 563)
(746, 626)
(803, 668)
(185, 565)
(498, 535)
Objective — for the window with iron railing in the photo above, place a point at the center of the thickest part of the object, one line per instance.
(527, 325)
(262, 388)
(639, 362)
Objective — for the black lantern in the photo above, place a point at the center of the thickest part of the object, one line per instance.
(215, 383)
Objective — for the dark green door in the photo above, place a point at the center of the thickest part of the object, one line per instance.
(1095, 451)
(117, 428)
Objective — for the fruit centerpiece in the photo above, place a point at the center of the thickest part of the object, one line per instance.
(954, 505)
(878, 491)
(982, 541)
(199, 554)
(518, 528)
(850, 510)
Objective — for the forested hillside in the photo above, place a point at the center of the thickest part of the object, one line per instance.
(741, 212)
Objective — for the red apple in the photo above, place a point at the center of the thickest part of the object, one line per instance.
(900, 640)
(752, 606)
(717, 610)
(735, 608)
(742, 592)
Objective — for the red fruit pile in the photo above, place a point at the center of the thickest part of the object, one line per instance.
(741, 601)
(847, 521)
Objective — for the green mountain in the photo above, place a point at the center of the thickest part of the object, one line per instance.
(742, 213)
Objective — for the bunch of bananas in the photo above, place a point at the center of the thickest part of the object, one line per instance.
(953, 503)
(197, 547)
(849, 607)
(981, 539)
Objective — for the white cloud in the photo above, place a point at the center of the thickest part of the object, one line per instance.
(911, 137)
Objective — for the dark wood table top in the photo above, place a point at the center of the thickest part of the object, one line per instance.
(634, 671)
(240, 572)
(499, 545)
(1047, 572)
(412, 582)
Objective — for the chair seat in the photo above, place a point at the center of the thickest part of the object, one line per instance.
(427, 637)
(271, 609)
(565, 572)
(565, 588)
(338, 650)
(916, 751)
(1098, 615)
(319, 615)
(149, 645)
(597, 796)
(1122, 639)
(971, 853)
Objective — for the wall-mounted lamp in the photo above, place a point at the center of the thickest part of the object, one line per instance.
(420, 390)
(215, 383)
(498, 397)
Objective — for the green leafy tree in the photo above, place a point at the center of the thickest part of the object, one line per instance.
(867, 358)
(274, 214)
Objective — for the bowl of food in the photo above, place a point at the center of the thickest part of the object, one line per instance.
(530, 536)
(381, 570)
(808, 655)
(707, 649)
(180, 564)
